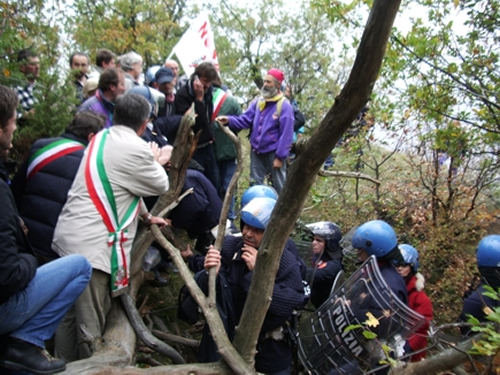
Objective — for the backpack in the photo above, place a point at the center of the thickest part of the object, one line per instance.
(279, 107)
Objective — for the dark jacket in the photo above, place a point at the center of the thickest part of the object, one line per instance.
(168, 122)
(41, 199)
(474, 305)
(17, 262)
(184, 97)
(235, 278)
(200, 211)
(321, 278)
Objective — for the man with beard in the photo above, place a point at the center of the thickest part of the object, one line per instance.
(270, 120)
(79, 64)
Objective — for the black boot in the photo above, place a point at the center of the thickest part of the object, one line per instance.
(160, 281)
(21, 355)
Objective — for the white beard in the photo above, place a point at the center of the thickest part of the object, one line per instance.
(268, 93)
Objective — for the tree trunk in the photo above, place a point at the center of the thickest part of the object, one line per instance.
(346, 107)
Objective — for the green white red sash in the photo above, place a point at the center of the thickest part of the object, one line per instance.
(51, 152)
(102, 196)
(218, 99)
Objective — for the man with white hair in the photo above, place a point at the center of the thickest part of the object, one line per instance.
(131, 64)
(270, 120)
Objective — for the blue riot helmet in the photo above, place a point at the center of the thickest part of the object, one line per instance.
(258, 191)
(154, 97)
(331, 233)
(258, 212)
(488, 259)
(150, 74)
(377, 238)
(488, 251)
(410, 255)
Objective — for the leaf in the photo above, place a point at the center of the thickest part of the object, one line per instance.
(372, 321)
(369, 335)
(351, 327)
(487, 310)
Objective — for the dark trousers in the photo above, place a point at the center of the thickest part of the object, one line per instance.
(206, 157)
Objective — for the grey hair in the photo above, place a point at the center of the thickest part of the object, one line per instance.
(131, 110)
(127, 60)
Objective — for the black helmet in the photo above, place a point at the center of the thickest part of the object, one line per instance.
(331, 233)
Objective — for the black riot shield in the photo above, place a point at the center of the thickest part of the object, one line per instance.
(327, 347)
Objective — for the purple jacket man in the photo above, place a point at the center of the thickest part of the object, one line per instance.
(270, 119)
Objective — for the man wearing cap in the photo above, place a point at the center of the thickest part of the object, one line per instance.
(270, 120)
(167, 120)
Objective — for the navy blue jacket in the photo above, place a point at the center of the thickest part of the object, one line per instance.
(184, 98)
(321, 279)
(41, 199)
(17, 262)
(474, 305)
(200, 211)
(168, 122)
(234, 283)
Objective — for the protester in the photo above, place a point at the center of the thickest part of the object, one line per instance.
(79, 63)
(167, 120)
(42, 183)
(104, 203)
(224, 148)
(270, 120)
(131, 64)
(417, 299)
(199, 91)
(111, 85)
(33, 300)
(104, 59)
(29, 65)
(326, 260)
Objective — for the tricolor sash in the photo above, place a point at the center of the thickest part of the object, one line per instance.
(49, 153)
(102, 196)
(218, 99)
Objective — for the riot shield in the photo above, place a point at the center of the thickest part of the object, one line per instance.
(327, 347)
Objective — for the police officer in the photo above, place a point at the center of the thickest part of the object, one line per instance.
(326, 260)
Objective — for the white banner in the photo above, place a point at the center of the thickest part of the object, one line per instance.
(196, 45)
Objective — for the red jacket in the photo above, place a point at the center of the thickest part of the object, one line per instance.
(419, 302)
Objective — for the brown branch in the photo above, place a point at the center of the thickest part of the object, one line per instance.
(145, 335)
(226, 349)
(212, 276)
(177, 339)
(357, 175)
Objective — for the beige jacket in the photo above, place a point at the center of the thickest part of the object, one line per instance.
(132, 172)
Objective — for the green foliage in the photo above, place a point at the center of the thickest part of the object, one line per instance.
(28, 24)
(490, 340)
(150, 28)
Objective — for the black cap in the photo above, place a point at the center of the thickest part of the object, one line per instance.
(164, 75)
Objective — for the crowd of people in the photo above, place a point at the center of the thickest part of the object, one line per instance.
(106, 171)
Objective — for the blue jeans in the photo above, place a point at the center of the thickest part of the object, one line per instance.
(226, 171)
(34, 313)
